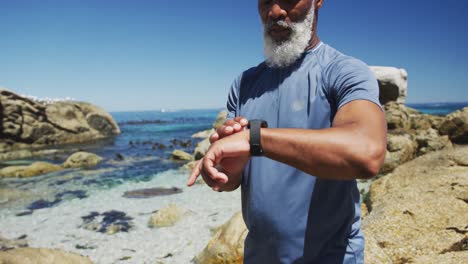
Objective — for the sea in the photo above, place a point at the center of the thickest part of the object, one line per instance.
(138, 154)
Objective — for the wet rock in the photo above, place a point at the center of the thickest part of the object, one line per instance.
(201, 149)
(455, 126)
(110, 222)
(227, 245)
(181, 155)
(418, 212)
(190, 165)
(66, 195)
(152, 192)
(119, 157)
(203, 134)
(82, 160)
(41, 256)
(8, 195)
(6, 244)
(167, 216)
(35, 169)
(181, 143)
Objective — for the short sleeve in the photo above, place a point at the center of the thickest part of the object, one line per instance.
(350, 79)
(233, 98)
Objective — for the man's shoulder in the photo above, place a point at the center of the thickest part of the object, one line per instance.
(334, 62)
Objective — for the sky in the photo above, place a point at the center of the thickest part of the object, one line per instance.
(163, 54)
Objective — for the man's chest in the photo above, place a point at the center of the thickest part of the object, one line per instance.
(294, 100)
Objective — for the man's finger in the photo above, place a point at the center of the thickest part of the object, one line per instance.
(224, 131)
(195, 173)
(214, 137)
(212, 172)
(241, 120)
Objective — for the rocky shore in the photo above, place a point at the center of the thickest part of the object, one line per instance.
(416, 207)
(32, 128)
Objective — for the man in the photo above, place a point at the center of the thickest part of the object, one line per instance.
(325, 130)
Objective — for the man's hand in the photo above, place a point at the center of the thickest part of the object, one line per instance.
(229, 127)
(222, 165)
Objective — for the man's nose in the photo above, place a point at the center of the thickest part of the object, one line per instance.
(276, 12)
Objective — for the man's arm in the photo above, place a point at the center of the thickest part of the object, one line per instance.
(354, 147)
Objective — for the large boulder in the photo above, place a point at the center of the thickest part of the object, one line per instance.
(400, 149)
(418, 212)
(393, 83)
(25, 123)
(35, 169)
(227, 245)
(41, 256)
(455, 126)
(82, 160)
(167, 216)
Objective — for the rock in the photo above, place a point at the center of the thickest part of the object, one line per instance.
(181, 155)
(220, 119)
(152, 192)
(419, 210)
(41, 256)
(35, 169)
(110, 222)
(167, 216)
(429, 140)
(82, 160)
(447, 258)
(201, 149)
(29, 124)
(398, 116)
(203, 134)
(8, 195)
(374, 254)
(455, 126)
(393, 83)
(364, 210)
(189, 166)
(6, 244)
(227, 245)
(400, 149)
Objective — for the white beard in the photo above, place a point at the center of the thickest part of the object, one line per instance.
(285, 53)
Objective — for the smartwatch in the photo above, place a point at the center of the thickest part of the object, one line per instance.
(255, 142)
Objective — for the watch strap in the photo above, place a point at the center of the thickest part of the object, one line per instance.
(255, 126)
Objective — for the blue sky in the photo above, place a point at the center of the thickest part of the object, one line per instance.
(144, 55)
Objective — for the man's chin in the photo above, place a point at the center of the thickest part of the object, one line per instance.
(280, 36)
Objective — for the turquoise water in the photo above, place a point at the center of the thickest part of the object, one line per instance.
(438, 108)
(146, 143)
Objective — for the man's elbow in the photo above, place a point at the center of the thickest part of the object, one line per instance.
(371, 162)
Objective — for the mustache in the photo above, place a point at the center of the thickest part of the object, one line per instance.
(280, 23)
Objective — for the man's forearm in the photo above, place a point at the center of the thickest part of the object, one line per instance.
(332, 153)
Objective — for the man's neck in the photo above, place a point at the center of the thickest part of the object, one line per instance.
(313, 42)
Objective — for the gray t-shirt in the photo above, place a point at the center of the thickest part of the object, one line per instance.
(294, 217)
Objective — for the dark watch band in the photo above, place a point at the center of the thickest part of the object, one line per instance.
(255, 142)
